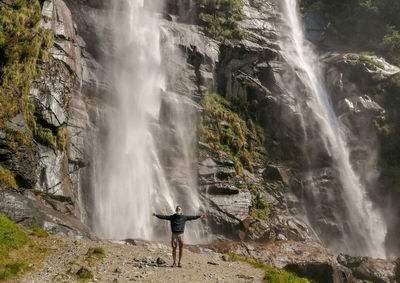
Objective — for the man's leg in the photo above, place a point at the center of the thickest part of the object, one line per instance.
(174, 244)
(180, 241)
(180, 253)
(174, 254)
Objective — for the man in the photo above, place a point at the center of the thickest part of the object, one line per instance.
(178, 228)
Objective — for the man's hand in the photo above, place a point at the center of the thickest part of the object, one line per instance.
(202, 215)
(154, 214)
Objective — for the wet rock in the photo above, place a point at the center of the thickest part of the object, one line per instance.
(274, 173)
(51, 93)
(52, 171)
(369, 269)
(191, 58)
(321, 272)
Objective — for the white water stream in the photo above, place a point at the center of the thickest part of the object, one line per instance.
(365, 221)
(133, 183)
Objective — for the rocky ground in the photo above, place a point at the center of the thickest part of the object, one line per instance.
(133, 262)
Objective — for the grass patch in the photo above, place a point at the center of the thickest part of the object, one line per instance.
(84, 273)
(17, 251)
(39, 232)
(7, 178)
(272, 274)
(223, 129)
(97, 252)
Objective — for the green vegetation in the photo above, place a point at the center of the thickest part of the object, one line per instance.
(223, 129)
(371, 25)
(97, 252)
(259, 208)
(272, 274)
(84, 273)
(220, 18)
(17, 251)
(390, 135)
(7, 178)
(23, 44)
(39, 232)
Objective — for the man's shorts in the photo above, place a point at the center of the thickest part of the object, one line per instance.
(177, 238)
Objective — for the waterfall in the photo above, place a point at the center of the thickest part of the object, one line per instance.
(132, 181)
(365, 231)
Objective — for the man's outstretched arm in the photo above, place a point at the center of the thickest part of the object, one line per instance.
(195, 217)
(160, 216)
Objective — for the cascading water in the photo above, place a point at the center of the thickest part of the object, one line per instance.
(366, 231)
(133, 182)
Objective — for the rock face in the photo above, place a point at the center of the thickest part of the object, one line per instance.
(75, 93)
(312, 261)
(52, 177)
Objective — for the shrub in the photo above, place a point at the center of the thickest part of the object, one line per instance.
(391, 44)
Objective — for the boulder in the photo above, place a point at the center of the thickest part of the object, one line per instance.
(31, 210)
(370, 269)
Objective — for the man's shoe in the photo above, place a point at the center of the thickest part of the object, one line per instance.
(179, 264)
(174, 264)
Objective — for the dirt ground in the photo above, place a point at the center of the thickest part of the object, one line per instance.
(122, 262)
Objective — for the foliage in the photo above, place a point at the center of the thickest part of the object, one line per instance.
(371, 25)
(391, 44)
(272, 274)
(223, 129)
(7, 178)
(22, 45)
(259, 208)
(389, 131)
(220, 18)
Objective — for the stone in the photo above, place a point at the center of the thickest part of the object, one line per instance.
(275, 173)
(161, 262)
(26, 208)
(370, 269)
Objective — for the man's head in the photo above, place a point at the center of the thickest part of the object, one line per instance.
(178, 209)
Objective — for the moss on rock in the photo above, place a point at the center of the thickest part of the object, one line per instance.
(223, 129)
(23, 44)
(220, 18)
(7, 178)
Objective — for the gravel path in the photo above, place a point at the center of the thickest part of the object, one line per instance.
(133, 263)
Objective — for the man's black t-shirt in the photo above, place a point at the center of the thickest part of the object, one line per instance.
(177, 221)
